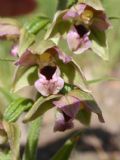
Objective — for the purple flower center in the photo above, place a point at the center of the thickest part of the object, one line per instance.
(48, 71)
(67, 118)
(81, 30)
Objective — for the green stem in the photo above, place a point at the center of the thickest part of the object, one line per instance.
(8, 60)
(32, 141)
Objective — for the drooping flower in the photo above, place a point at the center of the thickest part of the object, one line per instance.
(43, 59)
(82, 13)
(84, 19)
(49, 81)
(78, 39)
(68, 107)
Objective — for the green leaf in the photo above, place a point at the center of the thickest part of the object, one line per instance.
(38, 23)
(15, 109)
(87, 100)
(13, 134)
(7, 94)
(24, 77)
(65, 151)
(5, 156)
(61, 4)
(48, 7)
(39, 47)
(32, 140)
(71, 2)
(75, 76)
(84, 116)
(72, 75)
(40, 107)
(26, 39)
(114, 18)
(59, 26)
(99, 44)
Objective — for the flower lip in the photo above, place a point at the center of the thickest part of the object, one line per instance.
(66, 117)
(81, 30)
(48, 71)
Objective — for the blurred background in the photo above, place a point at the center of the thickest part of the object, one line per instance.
(99, 141)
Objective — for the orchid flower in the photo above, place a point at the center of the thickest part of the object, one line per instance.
(84, 19)
(68, 107)
(49, 81)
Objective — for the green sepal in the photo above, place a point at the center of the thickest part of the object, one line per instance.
(40, 107)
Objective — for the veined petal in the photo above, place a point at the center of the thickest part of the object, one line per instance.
(49, 82)
(61, 124)
(69, 105)
(75, 11)
(27, 59)
(78, 39)
(84, 45)
(73, 39)
(62, 56)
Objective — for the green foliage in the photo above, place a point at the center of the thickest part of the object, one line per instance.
(88, 102)
(84, 116)
(36, 24)
(13, 133)
(24, 77)
(5, 156)
(15, 109)
(99, 44)
(40, 107)
(48, 7)
(38, 35)
(32, 141)
(65, 151)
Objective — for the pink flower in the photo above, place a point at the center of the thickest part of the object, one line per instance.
(85, 14)
(28, 58)
(68, 107)
(78, 39)
(49, 81)
(85, 19)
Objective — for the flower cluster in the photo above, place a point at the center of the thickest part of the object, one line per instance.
(57, 73)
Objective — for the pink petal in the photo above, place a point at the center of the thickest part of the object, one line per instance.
(27, 59)
(73, 39)
(52, 86)
(69, 105)
(74, 11)
(61, 124)
(9, 31)
(14, 50)
(84, 45)
(62, 56)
